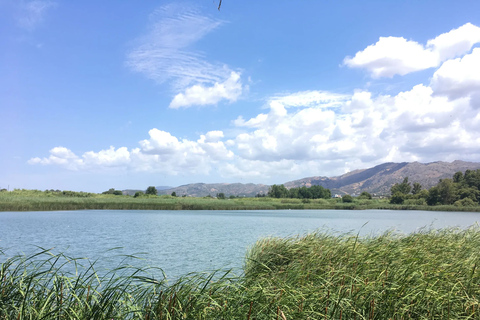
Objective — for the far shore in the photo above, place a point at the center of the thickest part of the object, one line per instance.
(32, 202)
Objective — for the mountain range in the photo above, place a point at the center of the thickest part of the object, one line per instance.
(377, 180)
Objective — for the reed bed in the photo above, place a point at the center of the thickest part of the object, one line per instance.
(11, 201)
(432, 274)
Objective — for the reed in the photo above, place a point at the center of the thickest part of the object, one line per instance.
(432, 274)
(33, 200)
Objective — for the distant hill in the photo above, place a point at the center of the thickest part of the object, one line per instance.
(204, 189)
(131, 192)
(379, 179)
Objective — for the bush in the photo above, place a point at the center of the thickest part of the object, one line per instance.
(466, 202)
(365, 195)
(397, 198)
(347, 198)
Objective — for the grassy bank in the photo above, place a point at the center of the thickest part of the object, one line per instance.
(427, 275)
(30, 200)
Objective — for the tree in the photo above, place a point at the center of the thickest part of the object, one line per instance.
(138, 194)
(174, 194)
(347, 198)
(447, 191)
(151, 190)
(365, 195)
(277, 191)
(433, 196)
(221, 195)
(458, 177)
(397, 198)
(403, 187)
(113, 191)
(416, 188)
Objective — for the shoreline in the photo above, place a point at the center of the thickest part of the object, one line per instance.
(30, 203)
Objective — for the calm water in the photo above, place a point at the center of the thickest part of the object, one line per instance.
(185, 241)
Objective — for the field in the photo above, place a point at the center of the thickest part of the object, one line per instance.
(427, 275)
(33, 200)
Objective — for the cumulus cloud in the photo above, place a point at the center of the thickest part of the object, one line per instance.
(60, 156)
(365, 128)
(459, 77)
(397, 55)
(167, 53)
(201, 95)
(319, 132)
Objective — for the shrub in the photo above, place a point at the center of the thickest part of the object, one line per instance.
(397, 198)
(347, 198)
(466, 202)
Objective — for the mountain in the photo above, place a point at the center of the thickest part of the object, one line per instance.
(131, 192)
(204, 189)
(379, 179)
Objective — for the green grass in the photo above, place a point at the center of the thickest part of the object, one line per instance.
(426, 275)
(33, 200)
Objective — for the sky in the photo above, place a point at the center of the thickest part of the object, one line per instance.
(129, 94)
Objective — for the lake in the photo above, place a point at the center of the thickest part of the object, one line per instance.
(187, 241)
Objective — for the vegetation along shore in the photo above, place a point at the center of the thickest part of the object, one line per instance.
(316, 276)
(460, 193)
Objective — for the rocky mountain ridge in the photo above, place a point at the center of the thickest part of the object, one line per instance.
(378, 180)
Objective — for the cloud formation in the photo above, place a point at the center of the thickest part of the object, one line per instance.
(200, 95)
(167, 53)
(319, 132)
(398, 56)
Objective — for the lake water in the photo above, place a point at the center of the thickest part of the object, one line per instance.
(186, 241)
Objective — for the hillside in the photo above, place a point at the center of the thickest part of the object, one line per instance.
(204, 189)
(380, 178)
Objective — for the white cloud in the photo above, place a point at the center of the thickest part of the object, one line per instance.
(167, 53)
(365, 130)
(32, 13)
(313, 98)
(318, 132)
(60, 156)
(458, 77)
(456, 42)
(391, 56)
(201, 95)
(397, 55)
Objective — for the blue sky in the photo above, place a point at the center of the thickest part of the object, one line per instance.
(98, 95)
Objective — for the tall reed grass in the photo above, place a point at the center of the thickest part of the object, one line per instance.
(39, 201)
(432, 274)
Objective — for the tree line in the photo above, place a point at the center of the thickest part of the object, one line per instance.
(463, 189)
(313, 192)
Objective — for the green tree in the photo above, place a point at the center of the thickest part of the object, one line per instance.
(347, 198)
(113, 191)
(433, 197)
(458, 177)
(174, 194)
(403, 187)
(416, 188)
(221, 195)
(365, 195)
(447, 191)
(277, 191)
(151, 190)
(138, 194)
(397, 198)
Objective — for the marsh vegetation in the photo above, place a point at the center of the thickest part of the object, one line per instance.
(432, 274)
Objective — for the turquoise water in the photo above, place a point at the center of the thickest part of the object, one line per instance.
(187, 241)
